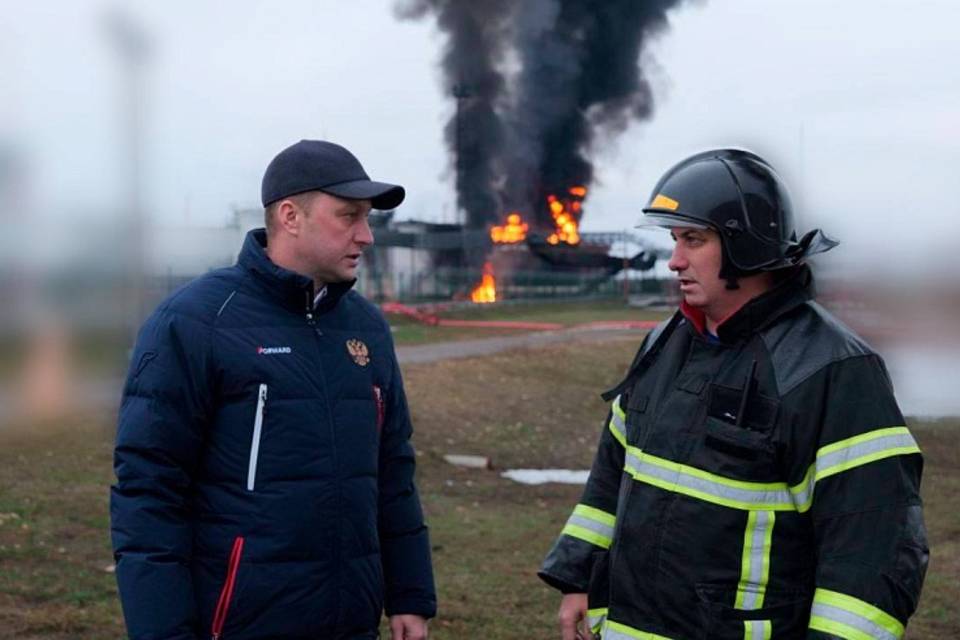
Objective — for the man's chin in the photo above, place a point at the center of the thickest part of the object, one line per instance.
(347, 276)
(339, 276)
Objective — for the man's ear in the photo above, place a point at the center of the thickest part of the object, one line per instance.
(289, 217)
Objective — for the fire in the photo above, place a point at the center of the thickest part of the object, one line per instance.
(565, 214)
(515, 230)
(486, 291)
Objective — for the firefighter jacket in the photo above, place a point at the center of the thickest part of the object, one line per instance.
(762, 485)
(264, 469)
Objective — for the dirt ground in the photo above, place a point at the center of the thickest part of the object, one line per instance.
(521, 407)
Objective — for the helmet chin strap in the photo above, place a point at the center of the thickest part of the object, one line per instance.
(729, 272)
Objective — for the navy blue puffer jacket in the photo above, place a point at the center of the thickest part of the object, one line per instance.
(264, 470)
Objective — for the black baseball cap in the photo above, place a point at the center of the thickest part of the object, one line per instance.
(318, 165)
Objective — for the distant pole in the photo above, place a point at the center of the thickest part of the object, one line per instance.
(130, 44)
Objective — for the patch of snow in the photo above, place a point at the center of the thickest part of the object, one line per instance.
(542, 476)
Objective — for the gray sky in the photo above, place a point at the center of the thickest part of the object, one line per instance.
(856, 102)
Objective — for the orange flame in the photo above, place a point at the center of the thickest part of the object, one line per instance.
(564, 217)
(515, 230)
(486, 291)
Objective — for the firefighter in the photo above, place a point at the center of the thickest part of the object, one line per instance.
(755, 478)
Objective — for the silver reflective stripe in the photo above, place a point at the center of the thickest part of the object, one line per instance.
(616, 631)
(850, 619)
(756, 560)
(843, 456)
(774, 496)
(596, 618)
(618, 426)
(591, 524)
(862, 450)
(255, 443)
(597, 527)
(756, 629)
(707, 486)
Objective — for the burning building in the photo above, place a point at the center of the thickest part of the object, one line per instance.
(537, 85)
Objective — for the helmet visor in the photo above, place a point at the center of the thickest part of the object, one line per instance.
(653, 219)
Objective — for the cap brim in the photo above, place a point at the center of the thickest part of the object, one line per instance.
(668, 221)
(380, 194)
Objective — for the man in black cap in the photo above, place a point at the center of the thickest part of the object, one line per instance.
(263, 460)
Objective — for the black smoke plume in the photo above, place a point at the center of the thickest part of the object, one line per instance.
(538, 84)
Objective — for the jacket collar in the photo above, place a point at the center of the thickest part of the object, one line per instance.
(794, 290)
(293, 290)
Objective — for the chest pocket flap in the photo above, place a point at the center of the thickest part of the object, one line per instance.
(748, 436)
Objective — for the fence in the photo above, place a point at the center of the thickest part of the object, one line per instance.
(454, 283)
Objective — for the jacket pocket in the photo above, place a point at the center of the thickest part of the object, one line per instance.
(784, 614)
(736, 441)
(739, 434)
(255, 441)
(742, 408)
(737, 453)
(226, 593)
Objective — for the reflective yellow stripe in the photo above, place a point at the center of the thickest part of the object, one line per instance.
(618, 422)
(769, 496)
(595, 514)
(757, 629)
(850, 453)
(586, 535)
(847, 617)
(591, 525)
(755, 563)
(617, 409)
(617, 631)
(710, 487)
(596, 618)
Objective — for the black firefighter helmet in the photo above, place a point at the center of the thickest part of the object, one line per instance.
(740, 196)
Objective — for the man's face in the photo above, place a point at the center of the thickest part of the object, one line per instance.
(334, 233)
(696, 259)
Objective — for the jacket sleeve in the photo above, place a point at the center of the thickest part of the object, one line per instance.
(159, 436)
(404, 541)
(590, 527)
(860, 481)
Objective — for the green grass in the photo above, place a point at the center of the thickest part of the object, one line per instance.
(522, 408)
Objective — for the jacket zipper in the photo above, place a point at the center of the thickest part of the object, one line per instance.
(255, 443)
(335, 550)
(226, 594)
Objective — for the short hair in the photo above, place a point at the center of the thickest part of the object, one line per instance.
(302, 200)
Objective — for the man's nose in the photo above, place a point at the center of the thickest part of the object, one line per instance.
(678, 262)
(364, 235)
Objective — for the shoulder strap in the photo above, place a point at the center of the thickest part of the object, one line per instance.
(651, 346)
